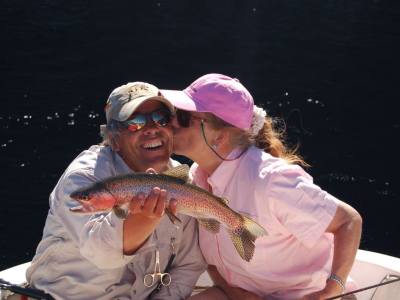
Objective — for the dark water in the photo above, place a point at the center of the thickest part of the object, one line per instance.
(329, 68)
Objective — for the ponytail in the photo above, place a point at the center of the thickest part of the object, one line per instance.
(272, 140)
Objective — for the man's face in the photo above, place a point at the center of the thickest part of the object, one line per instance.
(149, 147)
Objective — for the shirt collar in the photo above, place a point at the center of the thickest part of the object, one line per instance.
(120, 166)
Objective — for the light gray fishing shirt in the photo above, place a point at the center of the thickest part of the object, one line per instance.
(81, 256)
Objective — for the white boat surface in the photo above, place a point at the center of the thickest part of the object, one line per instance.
(370, 268)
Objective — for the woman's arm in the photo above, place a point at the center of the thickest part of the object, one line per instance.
(346, 228)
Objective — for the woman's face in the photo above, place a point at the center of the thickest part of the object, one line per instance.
(189, 141)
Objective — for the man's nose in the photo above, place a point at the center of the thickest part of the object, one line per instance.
(150, 128)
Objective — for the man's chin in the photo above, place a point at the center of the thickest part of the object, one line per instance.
(158, 163)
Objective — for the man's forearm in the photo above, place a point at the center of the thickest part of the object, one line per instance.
(136, 229)
(145, 214)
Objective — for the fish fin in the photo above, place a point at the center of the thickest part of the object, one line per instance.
(78, 209)
(244, 237)
(255, 229)
(121, 212)
(244, 244)
(210, 225)
(181, 172)
(174, 219)
(223, 200)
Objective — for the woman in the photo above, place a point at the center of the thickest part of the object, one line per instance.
(312, 236)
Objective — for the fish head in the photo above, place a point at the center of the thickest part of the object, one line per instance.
(93, 199)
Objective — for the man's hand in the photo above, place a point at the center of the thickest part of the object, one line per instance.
(152, 206)
(145, 215)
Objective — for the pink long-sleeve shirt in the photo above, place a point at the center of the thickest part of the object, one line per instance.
(295, 258)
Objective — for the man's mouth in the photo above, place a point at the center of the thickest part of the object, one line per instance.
(152, 145)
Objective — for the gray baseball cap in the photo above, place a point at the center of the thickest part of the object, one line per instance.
(124, 100)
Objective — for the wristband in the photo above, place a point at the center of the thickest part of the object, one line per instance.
(338, 280)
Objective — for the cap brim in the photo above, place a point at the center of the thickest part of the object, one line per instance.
(180, 100)
(129, 108)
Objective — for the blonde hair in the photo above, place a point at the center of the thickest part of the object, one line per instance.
(270, 138)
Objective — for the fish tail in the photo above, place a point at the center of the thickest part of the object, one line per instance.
(255, 229)
(244, 237)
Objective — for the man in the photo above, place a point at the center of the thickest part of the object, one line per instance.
(102, 256)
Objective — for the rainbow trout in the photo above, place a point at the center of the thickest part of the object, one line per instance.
(115, 193)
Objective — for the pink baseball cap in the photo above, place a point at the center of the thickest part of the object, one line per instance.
(221, 95)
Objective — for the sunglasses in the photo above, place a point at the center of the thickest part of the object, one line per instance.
(183, 117)
(160, 117)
